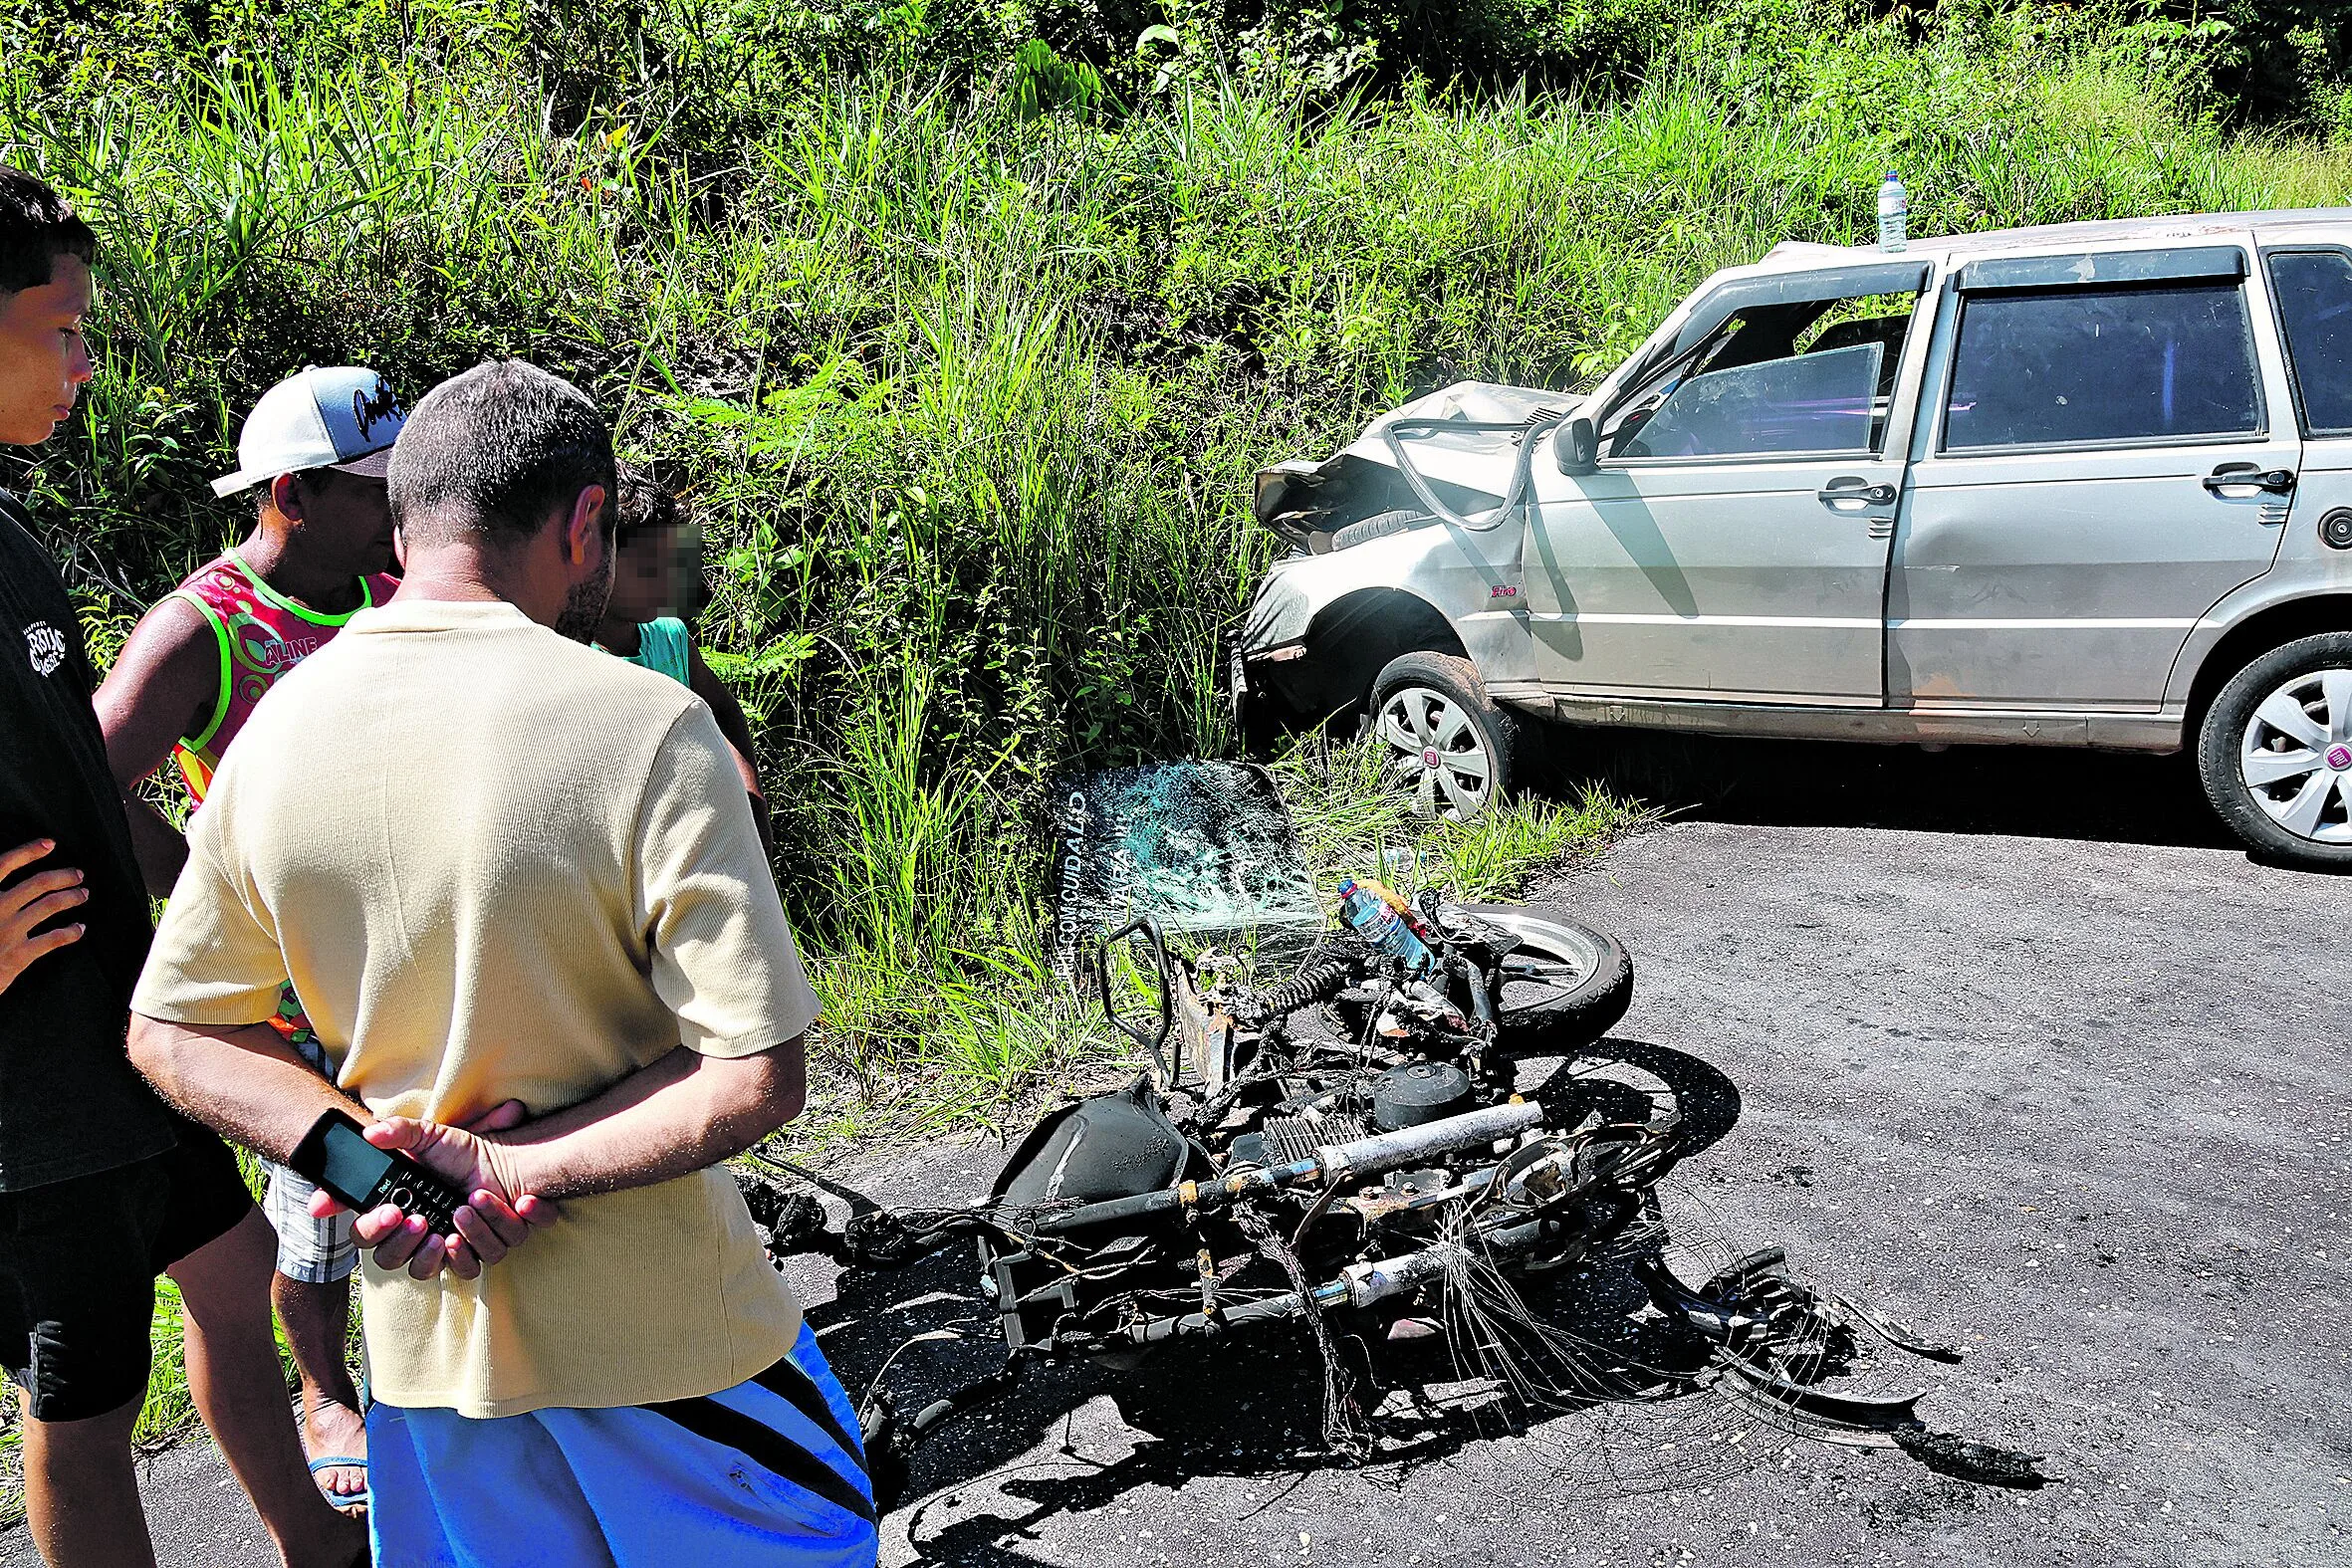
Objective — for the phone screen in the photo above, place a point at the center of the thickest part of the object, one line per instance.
(354, 1165)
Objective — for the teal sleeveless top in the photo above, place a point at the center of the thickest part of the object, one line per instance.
(661, 647)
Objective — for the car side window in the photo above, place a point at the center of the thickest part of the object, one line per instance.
(1787, 378)
(2314, 294)
(2063, 367)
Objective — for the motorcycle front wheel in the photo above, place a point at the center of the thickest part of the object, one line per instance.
(1563, 985)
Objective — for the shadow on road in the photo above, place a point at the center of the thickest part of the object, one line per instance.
(1705, 1102)
(2031, 791)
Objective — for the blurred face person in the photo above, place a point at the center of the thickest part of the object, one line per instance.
(43, 359)
(657, 569)
(658, 573)
(657, 594)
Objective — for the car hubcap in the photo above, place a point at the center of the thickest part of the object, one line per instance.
(1438, 754)
(2296, 756)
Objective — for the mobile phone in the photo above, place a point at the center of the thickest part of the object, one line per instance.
(337, 1155)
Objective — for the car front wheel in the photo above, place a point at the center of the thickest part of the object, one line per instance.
(1450, 747)
(2275, 753)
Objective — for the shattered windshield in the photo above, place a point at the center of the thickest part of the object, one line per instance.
(1201, 847)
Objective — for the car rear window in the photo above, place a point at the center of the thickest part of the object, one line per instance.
(2315, 291)
(2071, 367)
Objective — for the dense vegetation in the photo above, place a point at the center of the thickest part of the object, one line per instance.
(964, 325)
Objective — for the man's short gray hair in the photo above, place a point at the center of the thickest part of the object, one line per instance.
(494, 451)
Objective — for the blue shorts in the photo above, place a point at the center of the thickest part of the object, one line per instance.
(769, 1471)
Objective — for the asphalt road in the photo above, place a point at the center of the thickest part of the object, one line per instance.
(2042, 1068)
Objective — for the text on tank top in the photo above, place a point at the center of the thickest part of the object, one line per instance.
(261, 635)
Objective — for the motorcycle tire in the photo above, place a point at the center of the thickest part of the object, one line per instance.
(1562, 1012)
(1580, 986)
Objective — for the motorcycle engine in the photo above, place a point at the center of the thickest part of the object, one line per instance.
(1417, 1093)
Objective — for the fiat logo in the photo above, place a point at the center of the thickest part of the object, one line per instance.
(1429, 759)
(2340, 758)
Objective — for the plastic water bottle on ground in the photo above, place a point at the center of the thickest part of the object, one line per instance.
(1894, 214)
(1403, 907)
(1370, 918)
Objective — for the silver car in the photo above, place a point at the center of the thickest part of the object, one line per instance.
(2086, 485)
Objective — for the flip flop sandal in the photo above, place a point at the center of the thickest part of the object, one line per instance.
(343, 1500)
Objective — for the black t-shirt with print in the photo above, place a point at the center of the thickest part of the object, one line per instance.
(70, 1101)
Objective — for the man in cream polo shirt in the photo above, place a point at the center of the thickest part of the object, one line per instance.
(509, 868)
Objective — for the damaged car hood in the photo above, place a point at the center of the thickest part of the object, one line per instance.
(1472, 402)
(1471, 469)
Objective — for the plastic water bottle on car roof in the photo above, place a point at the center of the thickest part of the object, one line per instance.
(1894, 214)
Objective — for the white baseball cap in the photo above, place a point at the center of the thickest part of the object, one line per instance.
(343, 416)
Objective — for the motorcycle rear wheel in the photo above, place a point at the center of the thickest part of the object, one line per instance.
(1565, 985)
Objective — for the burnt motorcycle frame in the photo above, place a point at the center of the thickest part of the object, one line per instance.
(1243, 1183)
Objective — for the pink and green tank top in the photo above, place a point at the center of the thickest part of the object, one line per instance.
(262, 634)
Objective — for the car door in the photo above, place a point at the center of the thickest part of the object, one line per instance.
(2311, 291)
(2100, 465)
(1732, 543)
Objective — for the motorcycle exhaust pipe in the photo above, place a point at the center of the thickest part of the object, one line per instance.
(1358, 1285)
(1375, 1155)
(1394, 1277)
(1381, 1152)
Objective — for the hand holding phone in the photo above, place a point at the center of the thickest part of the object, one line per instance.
(337, 1155)
(455, 1208)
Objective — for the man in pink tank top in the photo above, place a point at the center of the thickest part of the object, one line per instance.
(191, 672)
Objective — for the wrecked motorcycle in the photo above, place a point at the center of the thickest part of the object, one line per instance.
(1381, 1182)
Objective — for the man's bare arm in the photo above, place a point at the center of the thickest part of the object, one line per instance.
(162, 687)
(704, 682)
(249, 1084)
(682, 1113)
(245, 1083)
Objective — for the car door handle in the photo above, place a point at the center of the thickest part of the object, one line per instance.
(1858, 490)
(2246, 476)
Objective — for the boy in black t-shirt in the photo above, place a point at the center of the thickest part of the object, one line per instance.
(101, 1185)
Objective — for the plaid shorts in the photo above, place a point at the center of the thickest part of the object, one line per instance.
(314, 1251)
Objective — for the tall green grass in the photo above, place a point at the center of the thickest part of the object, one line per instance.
(966, 395)
(1352, 823)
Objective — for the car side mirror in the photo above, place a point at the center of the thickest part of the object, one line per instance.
(1577, 446)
